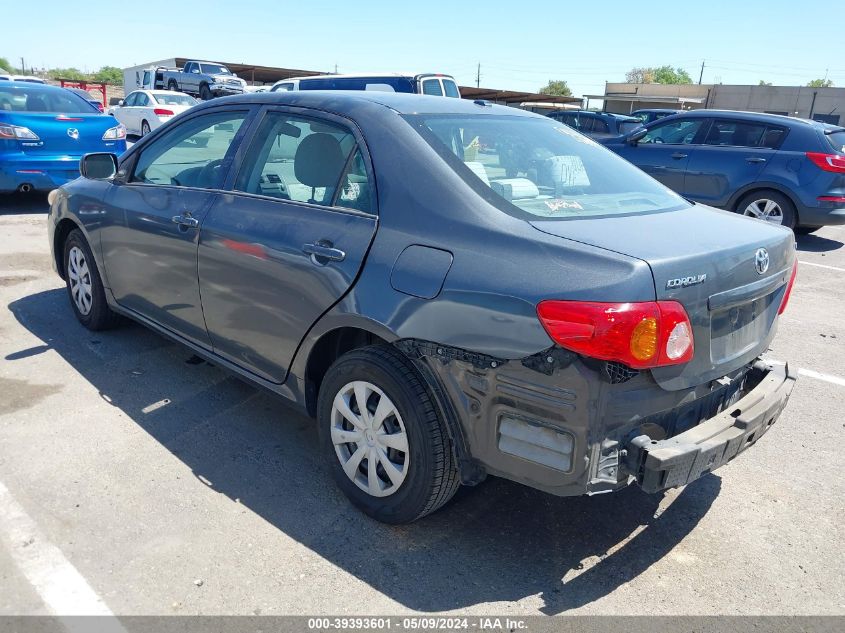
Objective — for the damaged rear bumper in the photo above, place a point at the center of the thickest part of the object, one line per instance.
(681, 459)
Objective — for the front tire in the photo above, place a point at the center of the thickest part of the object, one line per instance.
(205, 92)
(769, 205)
(389, 450)
(84, 285)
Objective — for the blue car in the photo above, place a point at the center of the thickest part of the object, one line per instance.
(44, 131)
(780, 169)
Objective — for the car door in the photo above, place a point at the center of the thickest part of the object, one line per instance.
(664, 152)
(142, 111)
(732, 155)
(190, 77)
(288, 241)
(124, 113)
(155, 209)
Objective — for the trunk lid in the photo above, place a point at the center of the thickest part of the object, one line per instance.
(70, 134)
(706, 259)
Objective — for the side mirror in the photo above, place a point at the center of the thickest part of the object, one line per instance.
(120, 103)
(98, 166)
(636, 136)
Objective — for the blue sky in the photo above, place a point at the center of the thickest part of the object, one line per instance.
(520, 45)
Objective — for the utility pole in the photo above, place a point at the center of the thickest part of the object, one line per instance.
(701, 74)
(478, 76)
(335, 69)
(23, 67)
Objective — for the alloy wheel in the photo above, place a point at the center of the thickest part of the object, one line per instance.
(81, 288)
(369, 438)
(765, 209)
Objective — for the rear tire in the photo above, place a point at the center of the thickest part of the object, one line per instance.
(84, 285)
(172, 85)
(399, 486)
(145, 128)
(769, 205)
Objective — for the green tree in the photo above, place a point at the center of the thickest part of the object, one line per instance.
(661, 75)
(820, 83)
(109, 75)
(764, 83)
(67, 73)
(5, 65)
(556, 88)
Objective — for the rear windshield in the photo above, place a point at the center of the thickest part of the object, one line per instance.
(451, 88)
(172, 98)
(382, 84)
(540, 168)
(37, 99)
(837, 140)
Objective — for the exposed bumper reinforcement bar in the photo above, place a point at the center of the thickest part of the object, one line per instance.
(679, 460)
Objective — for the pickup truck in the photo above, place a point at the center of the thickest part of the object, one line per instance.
(205, 80)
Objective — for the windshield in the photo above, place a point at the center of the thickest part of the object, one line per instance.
(171, 98)
(542, 168)
(38, 99)
(215, 69)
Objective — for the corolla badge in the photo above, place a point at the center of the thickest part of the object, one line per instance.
(73, 133)
(683, 282)
(761, 260)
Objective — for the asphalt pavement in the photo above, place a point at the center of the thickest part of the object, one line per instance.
(137, 479)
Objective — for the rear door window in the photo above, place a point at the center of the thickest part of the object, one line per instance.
(600, 126)
(735, 133)
(773, 137)
(306, 160)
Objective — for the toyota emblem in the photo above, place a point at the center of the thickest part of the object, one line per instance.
(761, 260)
(73, 133)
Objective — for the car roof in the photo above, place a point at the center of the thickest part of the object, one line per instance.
(367, 75)
(29, 86)
(672, 110)
(743, 115)
(621, 117)
(341, 100)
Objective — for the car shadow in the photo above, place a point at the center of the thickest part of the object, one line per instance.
(498, 542)
(23, 203)
(811, 243)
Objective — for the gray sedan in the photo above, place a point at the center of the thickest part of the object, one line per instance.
(452, 289)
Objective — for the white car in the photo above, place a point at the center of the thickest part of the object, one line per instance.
(28, 78)
(143, 111)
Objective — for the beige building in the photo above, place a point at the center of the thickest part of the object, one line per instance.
(821, 104)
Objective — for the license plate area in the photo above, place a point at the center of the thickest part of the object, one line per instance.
(738, 329)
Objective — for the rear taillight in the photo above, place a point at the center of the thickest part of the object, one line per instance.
(163, 112)
(640, 335)
(115, 133)
(831, 198)
(788, 292)
(17, 132)
(828, 162)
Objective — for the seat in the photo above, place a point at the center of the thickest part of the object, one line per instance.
(36, 103)
(318, 162)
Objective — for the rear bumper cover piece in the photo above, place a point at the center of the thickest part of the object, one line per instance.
(679, 460)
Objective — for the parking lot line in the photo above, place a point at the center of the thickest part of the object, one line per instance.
(803, 263)
(58, 583)
(836, 380)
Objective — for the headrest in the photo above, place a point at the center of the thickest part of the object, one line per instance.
(318, 161)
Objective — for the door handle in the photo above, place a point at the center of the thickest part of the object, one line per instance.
(679, 155)
(323, 252)
(755, 159)
(185, 220)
